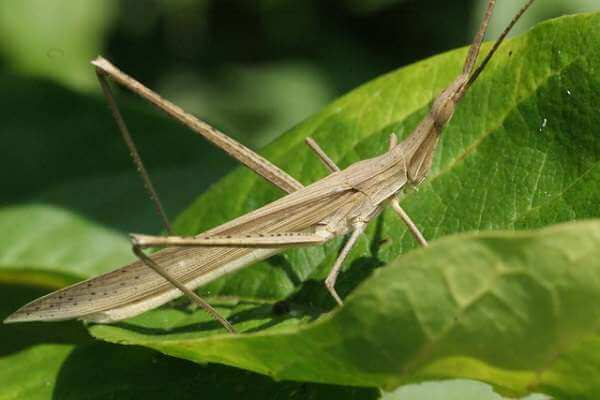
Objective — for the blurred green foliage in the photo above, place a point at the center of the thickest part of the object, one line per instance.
(54, 40)
(252, 68)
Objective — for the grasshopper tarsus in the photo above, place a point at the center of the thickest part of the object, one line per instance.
(331, 288)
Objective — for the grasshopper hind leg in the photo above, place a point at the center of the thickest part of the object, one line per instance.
(190, 293)
(137, 160)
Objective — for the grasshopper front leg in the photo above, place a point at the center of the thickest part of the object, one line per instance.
(328, 162)
(332, 167)
(412, 227)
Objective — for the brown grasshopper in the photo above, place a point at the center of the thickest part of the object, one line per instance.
(343, 202)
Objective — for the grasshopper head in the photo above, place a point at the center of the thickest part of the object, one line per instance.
(443, 107)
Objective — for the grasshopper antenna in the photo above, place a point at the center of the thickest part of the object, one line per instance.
(498, 42)
(469, 74)
(443, 107)
(424, 138)
(474, 49)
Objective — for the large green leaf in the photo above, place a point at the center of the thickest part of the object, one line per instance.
(521, 152)
(99, 371)
(50, 247)
(519, 310)
(63, 362)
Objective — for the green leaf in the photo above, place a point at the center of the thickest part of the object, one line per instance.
(37, 363)
(518, 310)
(97, 371)
(521, 152)
(28, 254)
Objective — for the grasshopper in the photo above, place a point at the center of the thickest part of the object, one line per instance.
(345, 201)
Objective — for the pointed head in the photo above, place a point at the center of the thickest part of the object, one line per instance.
(443, 107)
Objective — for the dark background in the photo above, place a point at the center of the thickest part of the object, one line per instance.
(251, 68)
